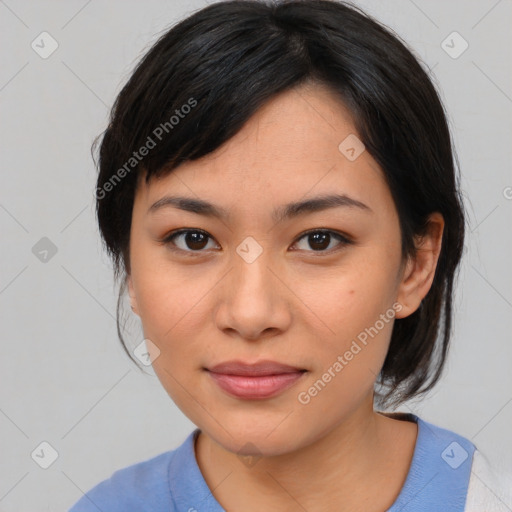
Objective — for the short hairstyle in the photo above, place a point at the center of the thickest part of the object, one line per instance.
(227, 60)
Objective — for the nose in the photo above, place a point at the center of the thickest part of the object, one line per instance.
(253, 302)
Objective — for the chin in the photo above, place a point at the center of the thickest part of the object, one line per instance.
(250, 438)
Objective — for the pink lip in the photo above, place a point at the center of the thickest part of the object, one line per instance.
(258, 381)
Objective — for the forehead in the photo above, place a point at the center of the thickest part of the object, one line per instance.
(292, 147)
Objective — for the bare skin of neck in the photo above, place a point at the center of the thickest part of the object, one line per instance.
(361, 465)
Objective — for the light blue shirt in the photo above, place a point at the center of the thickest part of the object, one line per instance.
(438, 479)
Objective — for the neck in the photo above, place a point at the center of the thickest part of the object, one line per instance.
(366, 455)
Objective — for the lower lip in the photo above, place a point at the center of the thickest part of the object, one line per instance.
(255, 388)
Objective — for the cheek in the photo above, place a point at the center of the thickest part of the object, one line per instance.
(354, 306)
(349, 298)
(346, 370)
(166, 297)
(171, 317)
(175, 308)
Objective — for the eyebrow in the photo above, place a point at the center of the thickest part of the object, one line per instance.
(285, 212)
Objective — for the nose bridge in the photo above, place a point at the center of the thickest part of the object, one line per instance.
(252, 278)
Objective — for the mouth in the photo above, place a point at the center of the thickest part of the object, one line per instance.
(257, 381)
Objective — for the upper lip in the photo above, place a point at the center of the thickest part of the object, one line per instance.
(253, 369)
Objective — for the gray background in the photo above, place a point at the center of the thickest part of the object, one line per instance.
(64, 376)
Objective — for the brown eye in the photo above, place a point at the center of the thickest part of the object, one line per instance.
(320, 240)
(188, 240)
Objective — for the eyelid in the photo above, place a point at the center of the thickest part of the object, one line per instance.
(344, 239)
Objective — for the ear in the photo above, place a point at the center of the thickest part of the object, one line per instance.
(131, 292)
(420, 269)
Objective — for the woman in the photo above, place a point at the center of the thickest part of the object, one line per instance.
(278, 193)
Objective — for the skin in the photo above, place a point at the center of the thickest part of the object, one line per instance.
(292, 304)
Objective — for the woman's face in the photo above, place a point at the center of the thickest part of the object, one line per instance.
(252, 285)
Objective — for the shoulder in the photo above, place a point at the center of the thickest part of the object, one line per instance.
(439, 471)
(490, 486)
(141, 486)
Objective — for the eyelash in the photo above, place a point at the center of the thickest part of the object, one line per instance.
(343, 239)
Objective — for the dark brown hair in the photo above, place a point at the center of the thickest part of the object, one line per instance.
(223, 63)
